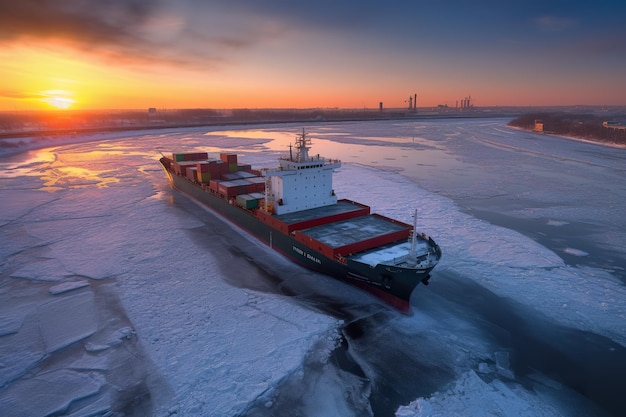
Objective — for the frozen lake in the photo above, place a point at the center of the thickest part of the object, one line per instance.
(119, 296)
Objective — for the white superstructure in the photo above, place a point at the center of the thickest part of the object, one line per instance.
(301, 182)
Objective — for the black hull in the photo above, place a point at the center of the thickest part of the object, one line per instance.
(393, 285)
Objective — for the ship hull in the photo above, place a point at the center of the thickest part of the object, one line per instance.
(393, 285)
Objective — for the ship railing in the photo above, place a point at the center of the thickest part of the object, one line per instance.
(421, 261)
(317, 158)
(277, 169)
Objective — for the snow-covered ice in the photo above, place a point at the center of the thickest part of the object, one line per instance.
(119, 294)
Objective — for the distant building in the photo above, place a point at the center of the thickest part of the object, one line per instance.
(466, 103)
(538, 126)
(614, 125)
(152, 111)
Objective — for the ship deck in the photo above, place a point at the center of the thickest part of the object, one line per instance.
(395, 254)
(342, 207)
(347, 232)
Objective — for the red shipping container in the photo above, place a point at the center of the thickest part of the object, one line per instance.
(204, 166)
(181, 167)
(232, 188)
(214, 185)
(196, 156)
(229, 158)
(215, 168)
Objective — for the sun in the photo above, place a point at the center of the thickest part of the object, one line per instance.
(59, 99)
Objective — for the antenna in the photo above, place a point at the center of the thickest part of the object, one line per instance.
(413, 238)
(301, 147)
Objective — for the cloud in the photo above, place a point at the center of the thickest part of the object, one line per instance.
(130, 32)
(78, 21)
(18, 95)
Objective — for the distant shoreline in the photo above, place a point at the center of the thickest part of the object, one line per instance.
(124, 122)
(20, 141)
(578, 139)
(607, 129)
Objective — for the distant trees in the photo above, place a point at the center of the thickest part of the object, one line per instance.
(584, 126)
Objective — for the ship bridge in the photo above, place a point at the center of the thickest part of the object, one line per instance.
(300, 182)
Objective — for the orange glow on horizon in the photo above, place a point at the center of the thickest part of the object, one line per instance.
(63, 78)
(59, 99)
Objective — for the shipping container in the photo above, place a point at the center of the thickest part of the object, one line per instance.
(192, 173)
(229, 158)
(204, 177)
(232, 167)
(244, 167)
(232, 188)
(255, 186)
(207, 166)
(247, 201)
(214, 185)
(189, 156)
(181, 167)
(214, 168)
(237, 175)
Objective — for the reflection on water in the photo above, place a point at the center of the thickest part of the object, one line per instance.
(75, 177)
(81, 170)
(59, 170)
(28, 166)
(411, 153)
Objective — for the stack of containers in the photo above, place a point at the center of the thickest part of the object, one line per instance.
(237, 175)
(247, 201)
(231, 160)
(251, 200)
(232, 188)
(211, 170)
(214, 185)
(256, 184)
(181, 167)
(184, 160)
(192, 173)
(189, 156)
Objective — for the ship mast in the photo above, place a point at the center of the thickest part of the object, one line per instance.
(413, 238)
(302, 150)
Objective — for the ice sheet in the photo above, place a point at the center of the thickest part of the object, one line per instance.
(472, 396)
(220, 347)
(67, 320)
(49, 393)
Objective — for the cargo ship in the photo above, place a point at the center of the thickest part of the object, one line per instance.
(294, 210)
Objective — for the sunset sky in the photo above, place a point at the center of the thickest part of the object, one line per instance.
(126, 54)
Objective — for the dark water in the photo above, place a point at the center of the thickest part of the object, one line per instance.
(588, 364)
(585, 237)
(393, 368)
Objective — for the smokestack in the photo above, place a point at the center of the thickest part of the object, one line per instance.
(415, 101)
